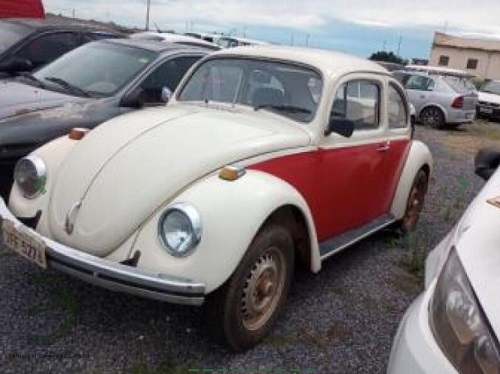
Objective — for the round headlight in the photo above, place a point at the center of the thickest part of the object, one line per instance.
(30, 175)
(179, 229)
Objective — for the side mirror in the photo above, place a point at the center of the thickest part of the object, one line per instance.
(340, 126)
(17, 65)
(486, 162)
(132, 99)
(166, 94)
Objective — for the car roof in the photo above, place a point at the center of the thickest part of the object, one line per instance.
(175, 38)
(56, 24)
(329, 62)
(154, 46)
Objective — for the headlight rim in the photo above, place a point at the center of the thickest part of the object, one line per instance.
(41, 172)
(195, 220)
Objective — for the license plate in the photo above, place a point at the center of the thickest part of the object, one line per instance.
(24, 243)
(486, 110)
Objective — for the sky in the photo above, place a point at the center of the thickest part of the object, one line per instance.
(360, 27)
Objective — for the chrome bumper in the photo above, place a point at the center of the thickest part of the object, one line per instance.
(112, 275)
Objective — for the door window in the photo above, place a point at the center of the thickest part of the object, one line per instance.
(165, 78)
(358, 101)
(420, 83)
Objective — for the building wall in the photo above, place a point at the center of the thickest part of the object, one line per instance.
(488, 65)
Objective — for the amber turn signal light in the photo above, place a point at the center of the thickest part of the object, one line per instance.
(77, 133)
(231, 172)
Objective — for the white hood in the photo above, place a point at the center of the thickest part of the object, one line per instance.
(126, 169)
(478, 246)
(488, 97)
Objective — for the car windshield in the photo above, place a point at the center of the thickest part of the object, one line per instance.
(10, 34)
(491, 87)
(286, 89)
(98, 68)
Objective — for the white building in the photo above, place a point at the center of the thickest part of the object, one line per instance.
(480, 57)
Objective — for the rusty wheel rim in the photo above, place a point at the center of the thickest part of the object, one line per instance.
(263, 289)
(415, 203)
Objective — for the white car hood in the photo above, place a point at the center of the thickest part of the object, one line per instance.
(488, 97)
(129, 167)
(478, 246)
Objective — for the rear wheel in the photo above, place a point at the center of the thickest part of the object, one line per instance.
(432, 117)
(415, 202)
(245, 309)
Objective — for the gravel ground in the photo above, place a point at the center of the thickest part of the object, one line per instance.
(341, 320)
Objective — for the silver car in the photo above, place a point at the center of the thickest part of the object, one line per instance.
(440, 100)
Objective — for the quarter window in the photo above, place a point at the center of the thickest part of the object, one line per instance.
(397, 110)
(358, 101)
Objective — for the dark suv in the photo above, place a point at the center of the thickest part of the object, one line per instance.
(26, 44)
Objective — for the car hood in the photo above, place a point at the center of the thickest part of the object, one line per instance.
(130, 166)
(17, 98)
(478, 246)
(488, 97)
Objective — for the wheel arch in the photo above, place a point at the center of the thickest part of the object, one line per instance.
(419, 158)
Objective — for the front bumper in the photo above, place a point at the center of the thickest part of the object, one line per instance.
(415, 350)
(112, 275)
(488, 111)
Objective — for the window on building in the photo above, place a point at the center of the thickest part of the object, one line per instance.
(444, 60)
(472, 63)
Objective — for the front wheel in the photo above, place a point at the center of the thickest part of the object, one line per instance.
(248, 305)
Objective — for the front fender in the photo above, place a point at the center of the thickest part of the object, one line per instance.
(53, 154)
(418, 157)
(231, 215)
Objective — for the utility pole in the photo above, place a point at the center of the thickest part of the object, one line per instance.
(399, 44)
(307, 39)
(147, 15)
(291, 38)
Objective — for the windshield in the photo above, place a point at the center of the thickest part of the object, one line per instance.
(10, 34)
(289, 90)
(491, 87)
(98, 68)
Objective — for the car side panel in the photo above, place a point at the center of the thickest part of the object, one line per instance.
(231, 214)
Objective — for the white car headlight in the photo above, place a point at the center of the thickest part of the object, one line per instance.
(179, 229)
(459, 324)
(30, 174)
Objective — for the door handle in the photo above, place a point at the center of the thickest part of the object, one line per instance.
(384, 147)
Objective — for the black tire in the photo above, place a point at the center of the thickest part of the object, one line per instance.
(414, 203)
(265, 271)
(432, 117)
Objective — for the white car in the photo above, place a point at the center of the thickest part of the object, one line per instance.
(260, 157)
(454, 325)
(488, 105)
(175, 38)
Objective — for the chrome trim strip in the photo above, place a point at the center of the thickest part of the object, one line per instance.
(111, 275)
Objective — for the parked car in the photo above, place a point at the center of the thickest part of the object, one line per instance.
(233, 41)
(261, 157)
(84, 88)
(27, 44)
(175, 38)
(439, 100)
(454, 325)
(25, 9)
(488, 105)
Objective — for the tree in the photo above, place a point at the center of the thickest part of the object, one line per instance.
(388, 57)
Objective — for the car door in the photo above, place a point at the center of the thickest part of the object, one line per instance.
(351, 170)
(398, 142)
(47, 47)
(420, 90)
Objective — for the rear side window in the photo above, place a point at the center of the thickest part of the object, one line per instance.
(396, 108)
(48, 47)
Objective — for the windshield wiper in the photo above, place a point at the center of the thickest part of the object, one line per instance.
(68, 86)
(33, 79)
(284, 108)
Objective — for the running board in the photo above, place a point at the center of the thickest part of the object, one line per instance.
(338, 243)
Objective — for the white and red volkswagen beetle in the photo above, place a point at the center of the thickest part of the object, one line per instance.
(264, 154)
